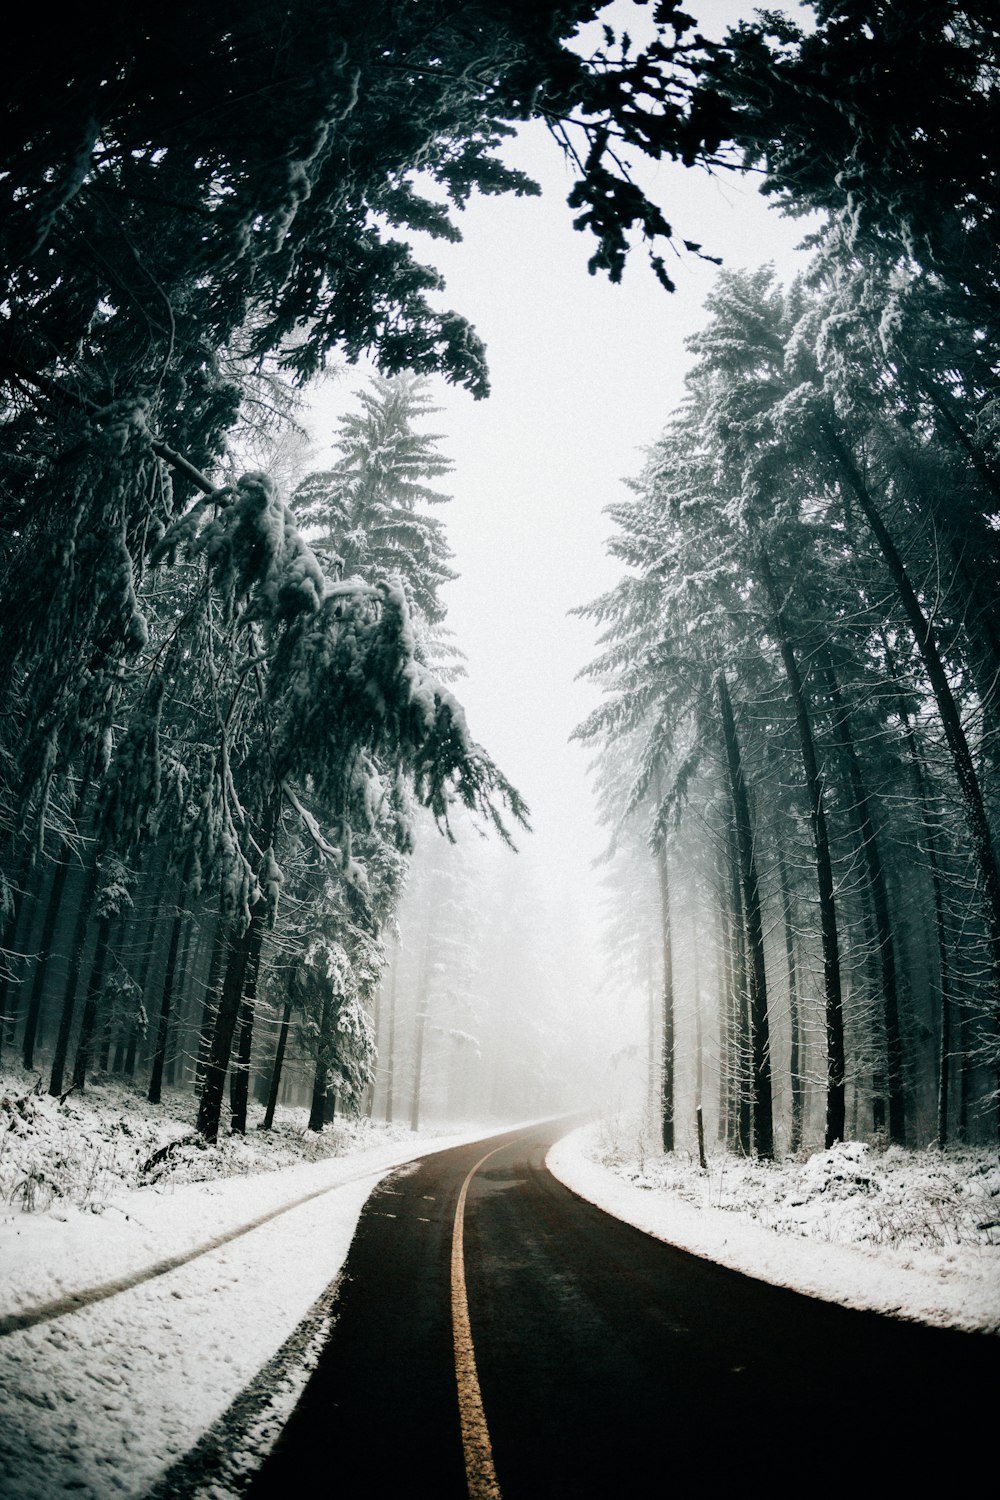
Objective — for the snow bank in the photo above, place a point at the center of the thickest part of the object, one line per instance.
(894, 1232)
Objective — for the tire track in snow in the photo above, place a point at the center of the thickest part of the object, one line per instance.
(75, 1301)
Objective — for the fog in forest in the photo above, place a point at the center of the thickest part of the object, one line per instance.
(626, 738)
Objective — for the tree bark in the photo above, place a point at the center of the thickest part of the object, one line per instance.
(279, 1063)
(38, 978)
(423, 999)
(390, 1071)
(740, 1067)
(875, 878)
(167, 992)
(750, 885)
(181, 1011)
(241, 947)
(95, 987)
(10, 929)
(72, 980)
(835, 1063)
(324, 1058)
(667, 1014)
(210, 1002)
(972, 798)
(239, 1077)
(922, 791)
(794, 1020)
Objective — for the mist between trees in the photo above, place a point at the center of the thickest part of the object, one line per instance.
(801, 672)
(223, 705)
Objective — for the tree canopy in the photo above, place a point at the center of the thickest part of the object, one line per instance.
(198, 202)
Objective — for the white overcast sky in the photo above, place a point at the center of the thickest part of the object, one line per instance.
(584, 376)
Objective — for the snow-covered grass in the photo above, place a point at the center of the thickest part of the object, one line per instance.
(913, 1233)
(85, 1150)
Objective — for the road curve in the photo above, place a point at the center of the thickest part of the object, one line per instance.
(609, 1364)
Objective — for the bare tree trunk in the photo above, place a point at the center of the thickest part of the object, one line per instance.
(167, 993)
(750, 884)
(699, 1041)
(972, 798)
(932, 846)
(324, 1058)
(180, 1012)
(95, 988)
(651, 999)
(742, 1083)
(115, 944)
(835, 1063)
(390, 1071)
(423, 1001)
(726, 989)
(8, 939)
(40, 974)
(794, 1020)
(241, 947)
(875, 878)
(72, 980)
(279, 1063)
(667, 1016)
(239, 1077)
(211, 999)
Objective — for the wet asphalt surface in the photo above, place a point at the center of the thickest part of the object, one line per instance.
(611, 1364)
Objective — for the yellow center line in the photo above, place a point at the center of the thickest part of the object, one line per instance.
(479, 1471)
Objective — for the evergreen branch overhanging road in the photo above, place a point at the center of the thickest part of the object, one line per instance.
(605, 1362)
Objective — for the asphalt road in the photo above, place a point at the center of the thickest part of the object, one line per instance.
(610, 1364)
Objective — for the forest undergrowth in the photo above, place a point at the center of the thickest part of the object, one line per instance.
(860, 1193)
(86, 1148)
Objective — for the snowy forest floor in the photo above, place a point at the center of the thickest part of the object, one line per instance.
(203, 1334)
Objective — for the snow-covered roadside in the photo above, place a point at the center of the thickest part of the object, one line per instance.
(954, 1285)
(106, 1401)
(103, 1402)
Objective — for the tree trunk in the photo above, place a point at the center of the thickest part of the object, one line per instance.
(115, 943)
(875, 877)
(390, 1070)
(835, 1064)
(931, 843)
(180, 1013)
(972, 798)
(135, 1032)
(8, 939)
(324, 1058)
(423, 1000)
(95, 987)
(667, 1015)
(418, 1067)
(40, 974)
(652, 1091)
(239, 1077)
(242, 945)
(210, 1002)
(794, 1020)
(72, 980)
(727, 1040)
(279, 1063)
(740, 1070)
(167, 993)
(745, 835)
(699, 1040)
